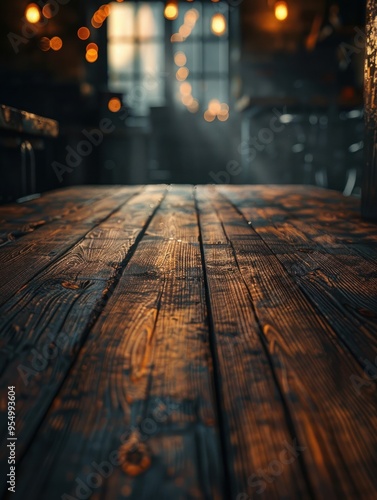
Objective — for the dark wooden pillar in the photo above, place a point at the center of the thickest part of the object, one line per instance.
(369, 196)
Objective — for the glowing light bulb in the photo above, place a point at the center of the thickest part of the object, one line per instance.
(32, 13)
(218, 24)
(171, 11)
(56, 43)
(281, 11)
(114, 104)
(83, 33)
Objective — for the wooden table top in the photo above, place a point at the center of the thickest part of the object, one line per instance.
(180, 343)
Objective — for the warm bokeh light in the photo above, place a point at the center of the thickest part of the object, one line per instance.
(99, 16)
(184, 31)
(191, 17)
(32, 13)
(223, 116)
(182, 74)
(95, 23)
(187, 100)
(180, 58)
(91, 55)
(83, 33)
(48, 12)
(56, 43)
(208, 116)
(194, 106)
(218, 24)
(171, 11)
(281, 11)
(176, 37)
(214, 106)
(114, 104)
(93, 46)
(44, 44)
(105, 9)
(185, 88)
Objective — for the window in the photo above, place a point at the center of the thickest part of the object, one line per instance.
(136, 54)
(207, 55)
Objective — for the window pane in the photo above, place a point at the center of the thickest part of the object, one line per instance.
(121, 56)
(150, 21)
(216, 56)
(121, 20)
(152, 58)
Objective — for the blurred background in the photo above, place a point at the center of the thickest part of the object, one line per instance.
(238, 91)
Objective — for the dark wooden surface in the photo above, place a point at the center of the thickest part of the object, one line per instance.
(216, 342)
(15, 120)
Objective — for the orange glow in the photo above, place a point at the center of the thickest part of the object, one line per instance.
(185, 88)
(171, 11)
(83, 33)
(176, 38)
(184, 31)
(32, 13)
(214, 107)
(218, 24)
(47, 11)
(208, 116)
(93, 46)
(194, 106)
(223, 116)
(56, 43)
(187, 100)
(91, 56)
(180, 59)
(281, 11)
(182, 74)
(44, 44)
(191, 17)
(105, 9)
(114, 104)
(99, 17)
(95, 23)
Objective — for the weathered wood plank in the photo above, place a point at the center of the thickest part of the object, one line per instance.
(341, 284)
(254, 420)
(57, 309)
(21, 261)
(144, 373)
(333, 420)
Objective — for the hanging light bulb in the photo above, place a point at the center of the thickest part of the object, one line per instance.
(218, 24)
(171, 10)
(33, 13)
(281, 11)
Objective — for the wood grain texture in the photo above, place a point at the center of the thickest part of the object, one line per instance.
(144, 373)
(190, 343)
(21, 261)
(315, 372)
(342, 285)
(54, 312)
(252, 409)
